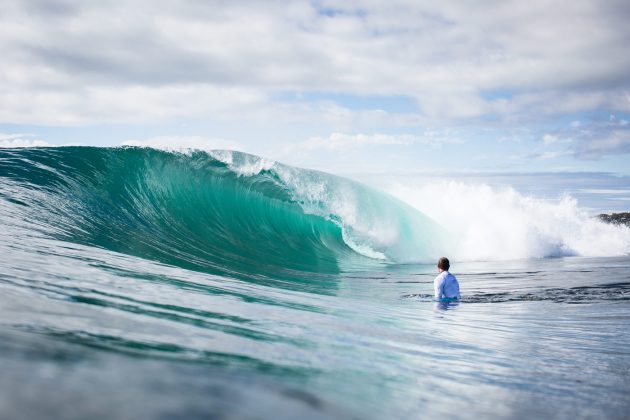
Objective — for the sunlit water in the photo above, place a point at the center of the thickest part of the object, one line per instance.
(91, 333)
(140, 284)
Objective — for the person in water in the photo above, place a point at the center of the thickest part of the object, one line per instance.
(445, 284)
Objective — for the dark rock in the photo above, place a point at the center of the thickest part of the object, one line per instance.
(616, 218)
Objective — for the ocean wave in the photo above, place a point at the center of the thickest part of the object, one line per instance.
(220, 212)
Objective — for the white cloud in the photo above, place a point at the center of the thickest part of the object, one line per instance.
(340, 141)
(20, 140)
(343, 142)
(589, 140)
(606, 191)
(124, 104)
(604, 142)
(114, 61)
(554, 154)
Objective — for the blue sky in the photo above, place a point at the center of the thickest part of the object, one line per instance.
(356, 86)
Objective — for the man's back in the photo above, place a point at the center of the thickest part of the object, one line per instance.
(446, 286)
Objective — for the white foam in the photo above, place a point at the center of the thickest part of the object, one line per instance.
(222, 150)
(364, 229)
(182, 144)
(488, 223)
(362, 249)
(13, 142)
(241, 163)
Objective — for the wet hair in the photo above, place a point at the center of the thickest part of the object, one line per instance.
(444, 264)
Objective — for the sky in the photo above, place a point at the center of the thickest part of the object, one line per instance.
(397, 86)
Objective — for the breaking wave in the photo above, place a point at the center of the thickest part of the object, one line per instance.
(220, 212)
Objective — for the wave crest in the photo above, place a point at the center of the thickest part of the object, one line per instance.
(220, 212)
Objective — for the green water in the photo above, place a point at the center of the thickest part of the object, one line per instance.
(142, 284)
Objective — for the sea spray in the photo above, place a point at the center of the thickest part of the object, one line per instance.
(489, 223)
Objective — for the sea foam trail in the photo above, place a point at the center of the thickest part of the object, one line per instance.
(486, 223)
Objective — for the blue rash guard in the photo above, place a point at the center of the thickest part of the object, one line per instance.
(446, 286)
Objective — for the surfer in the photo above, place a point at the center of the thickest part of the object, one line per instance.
(445, 284)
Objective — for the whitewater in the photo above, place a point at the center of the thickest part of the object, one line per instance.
(143, 283)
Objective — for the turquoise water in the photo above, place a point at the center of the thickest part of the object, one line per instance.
(136, 283)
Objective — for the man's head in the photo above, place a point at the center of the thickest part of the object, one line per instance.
(443, 264)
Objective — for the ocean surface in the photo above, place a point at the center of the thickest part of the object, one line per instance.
(138, 283)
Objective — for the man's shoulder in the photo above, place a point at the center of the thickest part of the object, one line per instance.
(441, 276)
(451, 277)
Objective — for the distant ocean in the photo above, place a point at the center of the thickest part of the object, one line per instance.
(139, 283)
